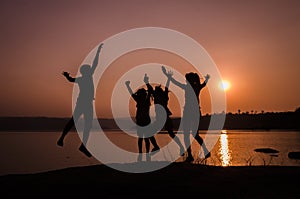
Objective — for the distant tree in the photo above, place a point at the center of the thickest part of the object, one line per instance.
(297, 110)
(262, 111)
(239, 111)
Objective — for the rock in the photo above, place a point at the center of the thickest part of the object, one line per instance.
(266, 150)
(294, 155)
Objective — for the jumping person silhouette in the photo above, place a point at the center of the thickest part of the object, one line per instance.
(84, 103)
(156, 148)
(161, 97)
(191, 109)
(143, 102)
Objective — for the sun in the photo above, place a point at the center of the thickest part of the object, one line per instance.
(225, 85)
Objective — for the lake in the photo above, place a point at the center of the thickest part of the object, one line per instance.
(33, 152)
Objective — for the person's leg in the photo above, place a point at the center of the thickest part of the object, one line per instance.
(169, 128)
(140, 140)
(69, 126)
(156, 127)
(154, 143)
(199, 139)
(188, 145)
(65, 131)
(157, 124)
(88, 122)
(147, 143)
(140, 148)
(140, 145)
(87, 111)
(186, 122)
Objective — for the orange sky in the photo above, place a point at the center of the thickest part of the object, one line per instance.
(255, 45)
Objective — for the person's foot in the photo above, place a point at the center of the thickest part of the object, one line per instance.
(181, 153)
(189, 159)
(207, 155)
(148, 157)
(139, 158)
(60, 142)
(155, 150)
(84, 150)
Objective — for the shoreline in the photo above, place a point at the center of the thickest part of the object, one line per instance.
(177, 179)
(266, 122)
(107, 130)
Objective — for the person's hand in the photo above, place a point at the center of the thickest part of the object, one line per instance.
(146, 79)
(164, 70)
(207, 76)
(66, 74)
(100, 47)
(127, 83)
(169, 74)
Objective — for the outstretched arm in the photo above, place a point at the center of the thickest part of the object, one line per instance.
(127, 83)
(95, 62)
(68, 77)
(170, 77)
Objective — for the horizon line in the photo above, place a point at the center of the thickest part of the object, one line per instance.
(207, 114)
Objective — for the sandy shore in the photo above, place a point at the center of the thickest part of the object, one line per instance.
(177, 179)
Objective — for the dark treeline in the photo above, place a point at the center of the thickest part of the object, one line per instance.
(264, 121)
(238, 121)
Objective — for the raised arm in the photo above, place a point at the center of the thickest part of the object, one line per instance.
(68, 77)
(206, 78)
(169, 75)
(95, 62)
(205, 81)
(149, 87)
(127, 83)
(170, 78)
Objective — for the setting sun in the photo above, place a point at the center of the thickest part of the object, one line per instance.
(225, 85)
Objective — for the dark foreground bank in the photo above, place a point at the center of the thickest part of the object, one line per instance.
(176, 180)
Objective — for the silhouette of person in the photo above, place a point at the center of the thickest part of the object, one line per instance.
(156, 148)
(84, 103)
(161, 97)
(191, 109)
(142, 118)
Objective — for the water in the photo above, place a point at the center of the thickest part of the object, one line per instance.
(236, 148)
(33, 152)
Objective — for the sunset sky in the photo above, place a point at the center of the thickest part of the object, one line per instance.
(255, 44)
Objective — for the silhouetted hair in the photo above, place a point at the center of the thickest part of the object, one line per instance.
(158, 89)
(192, 78)
(141, 93)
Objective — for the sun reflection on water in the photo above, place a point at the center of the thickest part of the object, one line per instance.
(224, 149)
